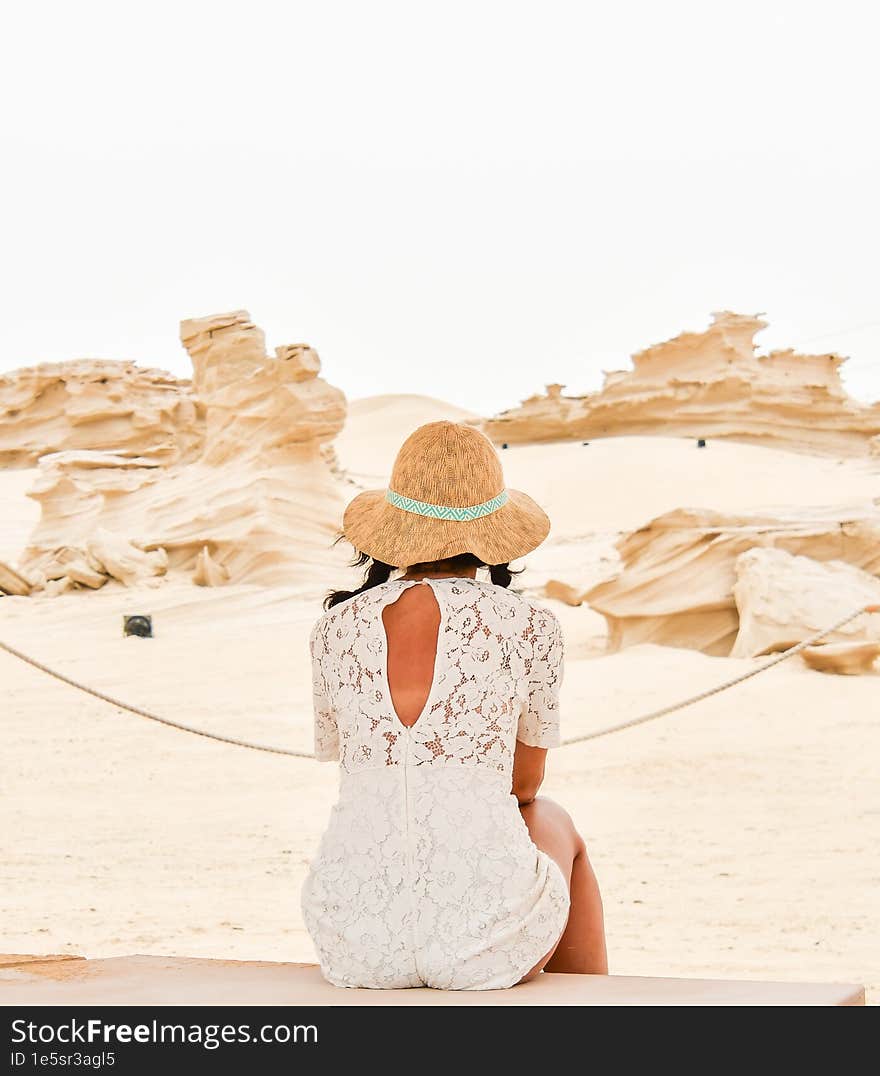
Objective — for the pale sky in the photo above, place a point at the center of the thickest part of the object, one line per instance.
(465, 200)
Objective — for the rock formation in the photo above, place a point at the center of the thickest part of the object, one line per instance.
(12, 582)
(101, 557)
(256, 405)
(709, 384)
(97, 404)
(207, 572)
(259, 500)
(848, 659)
(126, 561)
(69, 566)
(782, 599)
(676, 586)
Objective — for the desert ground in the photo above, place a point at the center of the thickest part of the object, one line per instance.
(735, 837)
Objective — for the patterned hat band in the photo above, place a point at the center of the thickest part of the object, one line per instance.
(444, 511)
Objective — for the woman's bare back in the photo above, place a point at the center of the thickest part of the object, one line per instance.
(411, 625)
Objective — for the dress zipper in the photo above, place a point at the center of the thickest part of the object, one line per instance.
(409, 857)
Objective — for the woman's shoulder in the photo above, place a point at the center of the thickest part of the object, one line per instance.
(530, 613)
(544, 620)
(351, 608)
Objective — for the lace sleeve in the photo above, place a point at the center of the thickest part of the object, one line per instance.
(326, 728)
(539, 720)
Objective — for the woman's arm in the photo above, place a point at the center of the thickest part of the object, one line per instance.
(528, 771)
(538, 722)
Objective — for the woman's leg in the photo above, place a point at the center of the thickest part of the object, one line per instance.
(581, 949)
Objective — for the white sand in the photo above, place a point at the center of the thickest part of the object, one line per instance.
(736, 838)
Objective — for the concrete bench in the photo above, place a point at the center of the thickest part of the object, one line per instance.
(174, 980)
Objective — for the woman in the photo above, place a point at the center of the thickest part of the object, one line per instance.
(438, 693)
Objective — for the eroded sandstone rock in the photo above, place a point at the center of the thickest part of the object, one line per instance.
(783, 598)
(847, 659)
(13, 582)
(207, 572)
(678, 572)
(124, 560)
(711, 384)
(97, 404)
(261, 492)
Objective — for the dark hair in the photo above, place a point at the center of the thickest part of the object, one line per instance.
(378, 572)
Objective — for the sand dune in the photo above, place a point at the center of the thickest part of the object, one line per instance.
(376, 427)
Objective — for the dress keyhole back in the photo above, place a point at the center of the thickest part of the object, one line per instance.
(411, 624)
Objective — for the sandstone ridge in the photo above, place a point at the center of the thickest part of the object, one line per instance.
(709, 384)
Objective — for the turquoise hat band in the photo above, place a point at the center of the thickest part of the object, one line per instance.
(445, 511)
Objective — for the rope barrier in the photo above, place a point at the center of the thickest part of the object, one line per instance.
(727, 683)
(153, 717)
(618, 727)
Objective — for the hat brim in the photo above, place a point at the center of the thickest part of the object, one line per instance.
(401, 538)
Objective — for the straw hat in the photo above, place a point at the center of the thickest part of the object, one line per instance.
(447, 496)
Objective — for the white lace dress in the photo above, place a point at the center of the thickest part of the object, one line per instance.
(426, 874)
